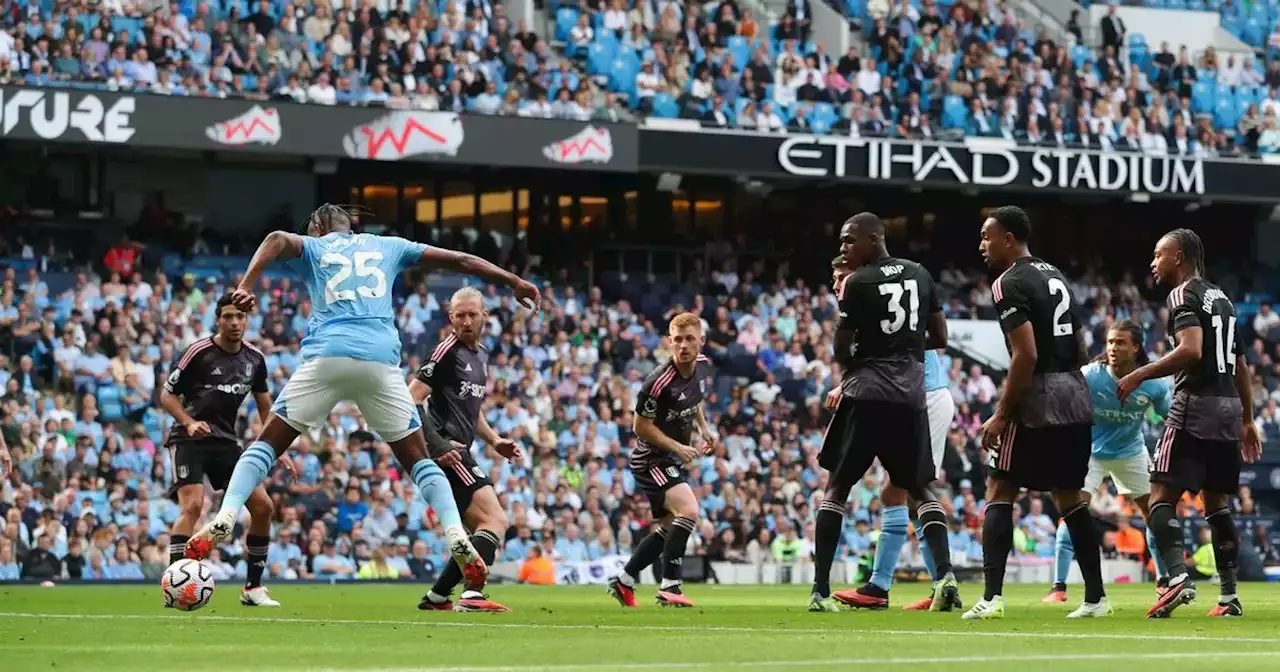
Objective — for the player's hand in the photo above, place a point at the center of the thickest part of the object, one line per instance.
(1126, 386)
(197, 429)
(509, 449)
(710, 441)
(991, 431)
(244, 299)
(1250, 443)
(833, 399)
(289, 467)
(453, 458)
(6, 462)
(528, 295)
(687, 454)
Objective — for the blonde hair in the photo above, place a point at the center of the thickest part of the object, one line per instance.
(684, 320)
(465, 294)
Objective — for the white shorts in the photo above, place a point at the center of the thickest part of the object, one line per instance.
(942, 410)
(378, 390)
(1132, 475)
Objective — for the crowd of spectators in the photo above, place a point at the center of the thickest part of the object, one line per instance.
(82, 348)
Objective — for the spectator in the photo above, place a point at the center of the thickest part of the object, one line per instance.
(537, 569)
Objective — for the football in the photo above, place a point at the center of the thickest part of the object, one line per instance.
(187, 585)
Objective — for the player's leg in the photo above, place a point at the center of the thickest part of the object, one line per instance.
(941, 410)
(1069, 451)
(653, 481)
(1064, 550)
(1133, 479)
(438, 598)
(488, 523)
(683, 505)
(829, 521)
(893, 536)
(1222, 481)
(188, 472)
(1177, 469)
(256, 542)
(1007, 461)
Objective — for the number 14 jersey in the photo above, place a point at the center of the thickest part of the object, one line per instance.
(1205, 401)
(1035, 291)
(349, 278)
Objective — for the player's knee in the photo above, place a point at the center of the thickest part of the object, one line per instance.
(1063, 536)
(191, 505)
(891, 495)
(260, 506)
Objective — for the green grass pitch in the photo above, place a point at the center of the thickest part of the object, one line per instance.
(378, 628)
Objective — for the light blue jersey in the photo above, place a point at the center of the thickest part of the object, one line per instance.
(1117, 430)
(349, 277)
(935, 373)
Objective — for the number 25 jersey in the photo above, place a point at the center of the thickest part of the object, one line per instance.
(1033, 290)
(1205, 401)
(349, 278)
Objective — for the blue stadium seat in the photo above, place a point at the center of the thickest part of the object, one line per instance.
(1202, 98)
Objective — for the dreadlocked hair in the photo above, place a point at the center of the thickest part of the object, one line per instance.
(1192, 249)
(1135, 334)
(333, 217)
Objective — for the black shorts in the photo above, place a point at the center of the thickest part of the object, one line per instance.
(863, 431)
(654, 480)
(1191, 463)
(194, 460)
(465, 479)
(1043, 458)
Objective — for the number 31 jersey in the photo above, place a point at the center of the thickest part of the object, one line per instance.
(1033, 290)
(349, 277)
(886, 303)
(1205, 401)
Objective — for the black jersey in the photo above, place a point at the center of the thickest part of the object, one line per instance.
(1033, 290)
(671, 401)
(887, 304)
(1205, 401)
(212, 383)
(458, 376)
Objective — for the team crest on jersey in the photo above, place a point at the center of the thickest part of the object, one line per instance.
(673, 472)
(1141, 400)
(429, 369)
(248, 370)
(651, 406)
(183, 471)
(702, 386)
(174, 375)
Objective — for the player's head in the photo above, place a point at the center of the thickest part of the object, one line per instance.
(685, 332)
(1124, 347)
(1179, 255)
(330, 218)
(862, 239)
(1004, 236)
(839, 271)
(231, 320)
(467, 314)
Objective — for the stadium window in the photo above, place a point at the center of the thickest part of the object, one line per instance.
(458, 207)
(567, 211)
(682, 212)
(522, 209)
(497, 210)
(631, 210)
(595, 211)
(383, 200)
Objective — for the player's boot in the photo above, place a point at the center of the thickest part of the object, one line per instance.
(923, 605)
(477, 602)
(986, 609)
(1057, 594)
(819, 604)
(1174, 597)
(218, 531)
(1095, 610)
(946, 594)
(257, 597)
(866, 597)
(1227, 610)
(1162, 587)
(474, 572)
(673, 597)
(624, 594)
(428, 605)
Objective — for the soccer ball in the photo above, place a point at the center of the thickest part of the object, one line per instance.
(187, 585)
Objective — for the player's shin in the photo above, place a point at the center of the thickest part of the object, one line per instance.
(1164, 524)
(826, 535)
(997, 542)
(1084, 538)
(1226, 549)
(893, 536)
(1162, 570)
(926, 554)
(932, 520)
(1064, 553)
(255, 547)
(487, 545)
(673, 550)
(177, 547)
(251, 470)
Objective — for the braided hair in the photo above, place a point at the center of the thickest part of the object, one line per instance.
(1192, 249)
(340, 218)
(1135, 334)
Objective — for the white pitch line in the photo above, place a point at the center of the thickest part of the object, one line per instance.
(682, 629)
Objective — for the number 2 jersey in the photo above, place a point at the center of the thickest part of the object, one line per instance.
(1205, 401)
(1035, 291)
(671, 401)
(886, 304)
(349, 278)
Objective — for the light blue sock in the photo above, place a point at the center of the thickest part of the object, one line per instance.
(1162, 572)
(434, 487)
(1064, 553)
(251, 470)
(924, 551)
(893, 536)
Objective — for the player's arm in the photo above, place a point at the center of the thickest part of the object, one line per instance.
(418, 390)
(649, 432)
(263, 401)
(1190, 348)
(170, 397)
(1250, 442)
(709, 433)
(847, 328)
(262, 391)
(936, 334)
(277, 245)
(470, 264)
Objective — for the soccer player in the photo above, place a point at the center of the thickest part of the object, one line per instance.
(352, 352)
(203, 394)
(1039, 436)
(668, 408)
(453, 383)
(889, 316)
(1210, 424)
(1119, 451)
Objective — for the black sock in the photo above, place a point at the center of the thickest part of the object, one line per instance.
(673, 550)
(1226, 548)
(1084, 537)
(487, 546)
(1164, 523)
(997, 542)
(177, 547)
(255, 547)
(932, 520)
(826, 538)
(647, 553)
